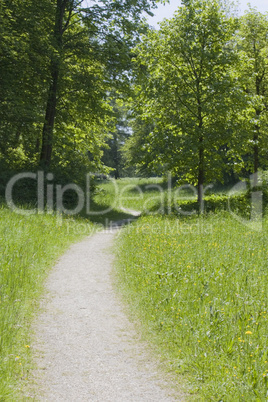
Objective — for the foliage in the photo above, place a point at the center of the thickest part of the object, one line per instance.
(59, 62)
(112, 153)
(200, 103)
(239, 204)
(252, 47)
(185, 92)
(135, 149)
(24, 48)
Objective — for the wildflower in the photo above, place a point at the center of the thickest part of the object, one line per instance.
(248, 333)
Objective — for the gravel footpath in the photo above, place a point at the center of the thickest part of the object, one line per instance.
(86, 349)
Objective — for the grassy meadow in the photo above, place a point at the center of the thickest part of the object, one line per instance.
(133, 194)
(199, 286)
(29, 246)
(139, 194)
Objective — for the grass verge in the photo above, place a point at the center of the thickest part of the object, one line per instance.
(29, 246)
(199, 287)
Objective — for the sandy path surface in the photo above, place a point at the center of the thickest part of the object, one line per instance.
(86, 349)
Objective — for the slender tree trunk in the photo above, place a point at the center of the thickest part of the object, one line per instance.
(256, 155)
(116, 157)
(256, 138)
(51, 107)
(47, 134)
(37, 145)
(116, 173)
(201, 176)
(201, 165)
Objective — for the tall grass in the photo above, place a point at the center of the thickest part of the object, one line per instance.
(200, 287)
(28, 247)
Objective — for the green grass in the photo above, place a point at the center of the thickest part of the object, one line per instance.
(136, 193)
(29, 247)
(200, 287)
(127, 193)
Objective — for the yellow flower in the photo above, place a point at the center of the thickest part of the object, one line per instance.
(248, 332)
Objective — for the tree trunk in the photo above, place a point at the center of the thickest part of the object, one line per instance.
(256, 137)
(47, 134)
(256, 155)
(201, 167)
(51, 107)
(201, 175)
(116, 157)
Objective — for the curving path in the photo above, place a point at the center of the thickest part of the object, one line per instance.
(87, 350)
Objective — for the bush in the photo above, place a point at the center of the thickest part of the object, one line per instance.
(25, 191)
(239, 204)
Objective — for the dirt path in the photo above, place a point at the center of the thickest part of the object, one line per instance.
(87, 350)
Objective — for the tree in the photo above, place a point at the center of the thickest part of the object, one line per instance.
(112, 155)
(59, 62)
(188, 96)
(24, 29)
(110, 28)
(252, 45)
(137, 152)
